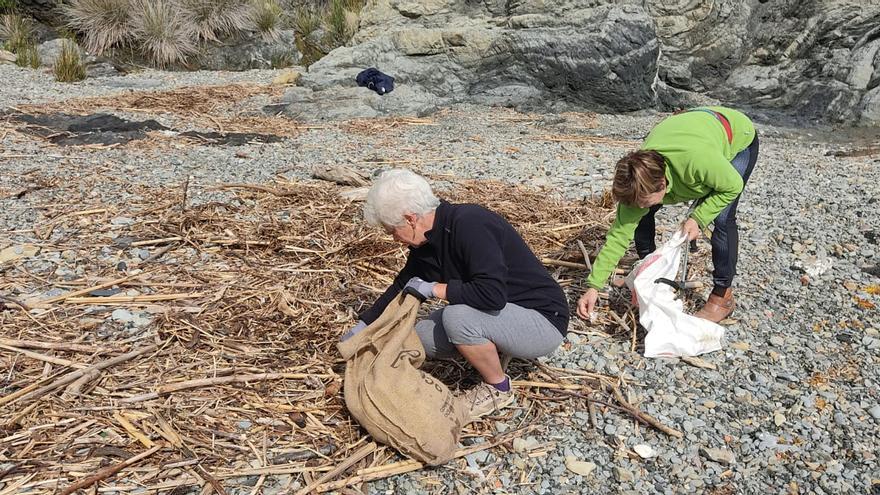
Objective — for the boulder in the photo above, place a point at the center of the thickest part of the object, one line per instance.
(251, 52)
(50, 51)
(812, 61)
(870, 108)
(286, 77)
(346, 102)
(442, 52)
(45, 11)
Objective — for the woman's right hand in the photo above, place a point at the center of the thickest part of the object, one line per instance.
(587, 303)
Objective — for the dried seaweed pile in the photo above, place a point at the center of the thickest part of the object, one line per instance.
(216, 108)
(237, 373)
(180, 101)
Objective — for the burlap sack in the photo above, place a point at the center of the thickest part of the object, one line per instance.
(389, 396)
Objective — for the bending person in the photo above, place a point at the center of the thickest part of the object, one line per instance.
(704, 154)
(501, 298)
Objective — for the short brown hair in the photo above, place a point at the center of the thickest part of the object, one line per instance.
(638, 174)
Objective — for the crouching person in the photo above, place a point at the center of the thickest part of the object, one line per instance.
(501, 298)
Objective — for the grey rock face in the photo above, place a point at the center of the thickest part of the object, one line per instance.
(42, 10)
(818, 60)
(870, 113)
(596, 57)
(254, 52)
(697, 55)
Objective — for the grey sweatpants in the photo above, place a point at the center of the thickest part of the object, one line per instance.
(515, 331)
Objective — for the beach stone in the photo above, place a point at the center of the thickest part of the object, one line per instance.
(719, 455)
(778, 419)
(583, 468)
(622, 475)
(644, 451)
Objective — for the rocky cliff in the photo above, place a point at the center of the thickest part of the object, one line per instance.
(814, 59)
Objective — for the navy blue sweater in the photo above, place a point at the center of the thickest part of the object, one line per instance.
(485, 264)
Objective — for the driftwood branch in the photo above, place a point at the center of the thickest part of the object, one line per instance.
(340, 174)
(341, 468)
(170, 388)
(55, 346)
(642, 416)
(75, 375)
(108, 471)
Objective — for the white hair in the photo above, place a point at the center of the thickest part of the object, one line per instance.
(395, 193)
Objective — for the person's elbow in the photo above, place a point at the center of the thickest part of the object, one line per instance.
(496, 305)
(493, 297)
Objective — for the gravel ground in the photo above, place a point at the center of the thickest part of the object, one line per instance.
(794, 405)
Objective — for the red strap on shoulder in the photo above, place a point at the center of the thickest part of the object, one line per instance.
(726, 124)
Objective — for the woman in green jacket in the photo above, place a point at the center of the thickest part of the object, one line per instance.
(705, 154)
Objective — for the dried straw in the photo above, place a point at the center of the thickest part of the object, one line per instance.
(238, 373)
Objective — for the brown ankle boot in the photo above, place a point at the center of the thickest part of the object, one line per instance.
(717, 308)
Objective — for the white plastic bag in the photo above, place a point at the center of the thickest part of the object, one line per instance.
(671, 331)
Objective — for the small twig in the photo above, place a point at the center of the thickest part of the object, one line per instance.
(635, 329)
(156, 241)
(555, 386)
(643, 417)
(18, 303)
(564, 264)
(43, 357)
(183, 195)
(592, 409)
(620, 321)
(108, 471)
(80, 292)
(585, 254)
(159, 253)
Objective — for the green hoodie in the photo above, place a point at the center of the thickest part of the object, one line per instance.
(698, 165)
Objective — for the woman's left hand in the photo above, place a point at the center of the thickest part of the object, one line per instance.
(691, 229)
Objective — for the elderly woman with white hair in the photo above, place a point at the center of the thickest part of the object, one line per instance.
(501, 298)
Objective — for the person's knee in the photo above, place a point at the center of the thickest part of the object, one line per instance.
(425, 330)
(434, 339)
(459, 324)
(725, 221)
(644, 251)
